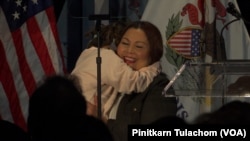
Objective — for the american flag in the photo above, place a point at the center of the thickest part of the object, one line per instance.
(29, 51)
(186, 42)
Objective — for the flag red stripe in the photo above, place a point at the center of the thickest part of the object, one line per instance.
(36, 51)
(179, 42)
(26, 72)
(7, 81)
(181, 46)
(52, 21)
(40, 46)
(181, 38)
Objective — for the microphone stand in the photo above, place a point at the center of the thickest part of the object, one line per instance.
(234, 12)
(223, 56)
(98, 19)
(98, 62)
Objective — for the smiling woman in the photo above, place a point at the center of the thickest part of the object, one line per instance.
(134, 49)
(141, 45)
(141, 42)
(116, 75)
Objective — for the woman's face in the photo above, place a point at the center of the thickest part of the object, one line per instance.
(134, 49)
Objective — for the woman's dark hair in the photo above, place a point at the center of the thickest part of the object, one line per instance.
(153, 35)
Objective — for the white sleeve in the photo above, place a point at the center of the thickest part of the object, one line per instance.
(116, 73)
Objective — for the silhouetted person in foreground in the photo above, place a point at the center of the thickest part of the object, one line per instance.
(169, 120)
(11, 132)
(57, 112)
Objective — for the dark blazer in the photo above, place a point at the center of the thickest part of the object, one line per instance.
(143, 108)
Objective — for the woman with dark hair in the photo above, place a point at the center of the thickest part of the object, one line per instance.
(141, 45)
(116, 75)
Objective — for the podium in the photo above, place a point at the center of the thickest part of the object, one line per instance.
(231, 78)
(204, 87)
(235, 78)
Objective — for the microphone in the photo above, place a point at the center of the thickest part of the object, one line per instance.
(233, 11)
(99, 17)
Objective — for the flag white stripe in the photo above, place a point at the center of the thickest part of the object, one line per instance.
(5, 36)
(15, 70)
(4, 102)
(32, 59)
(31, 55)
(49, 40)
